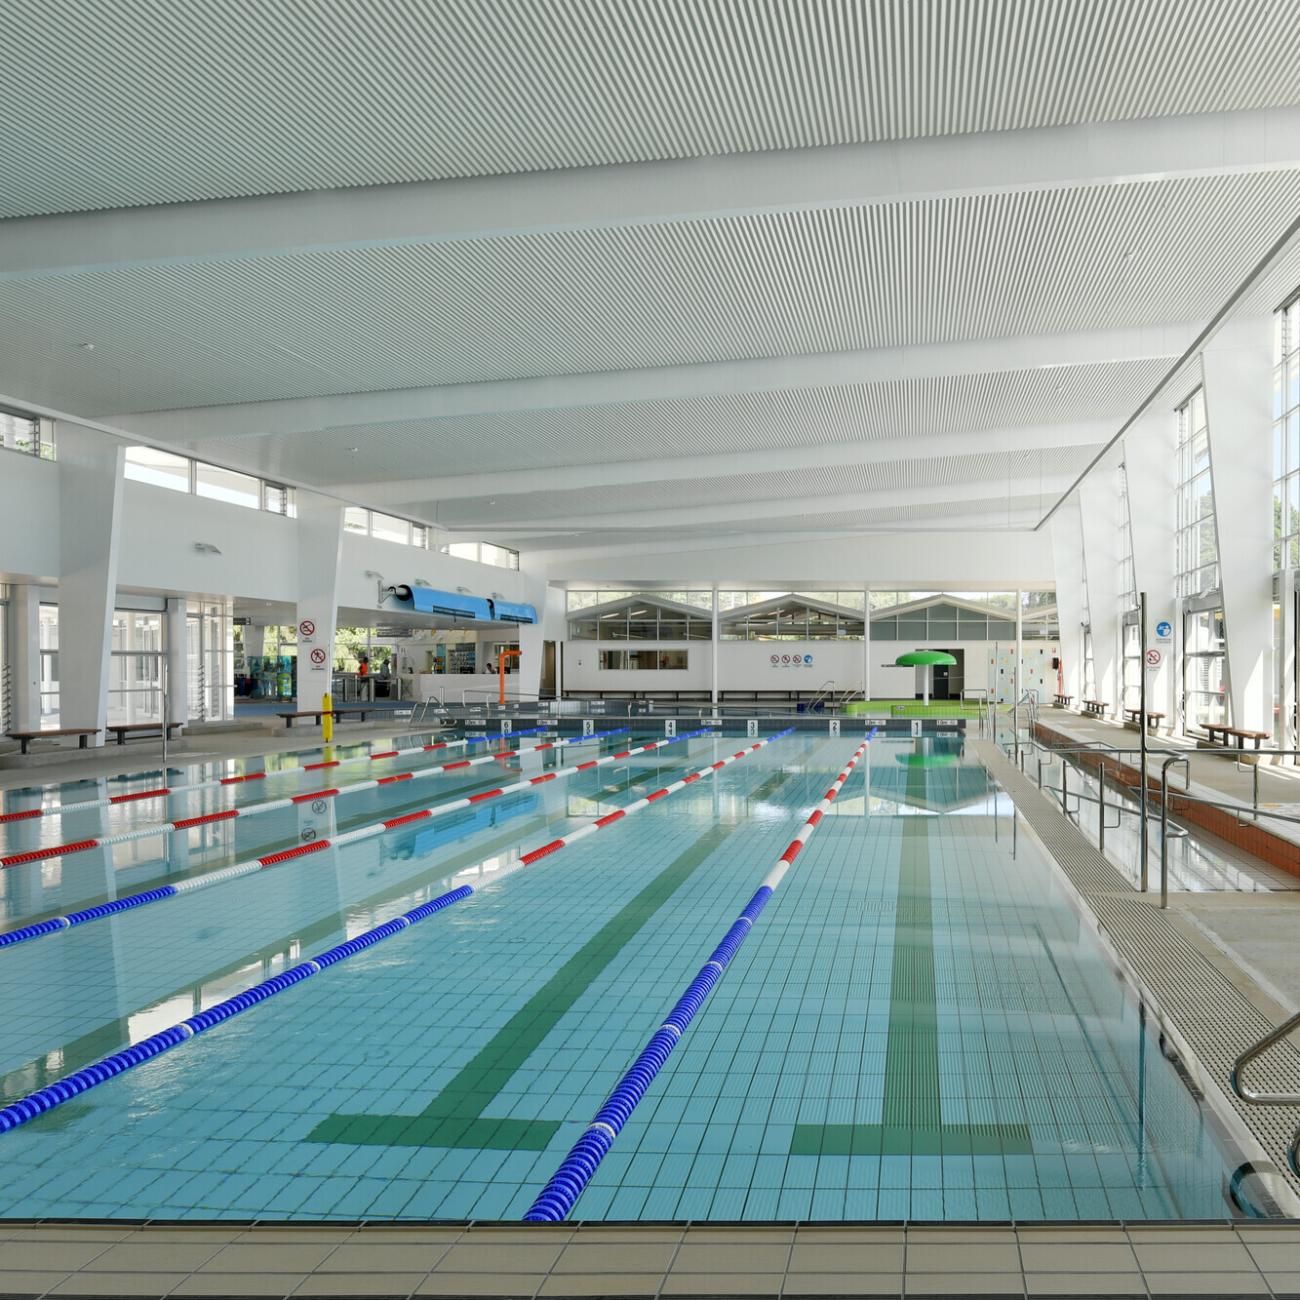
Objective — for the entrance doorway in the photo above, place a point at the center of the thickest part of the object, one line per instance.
(949, 679)
(547, 688)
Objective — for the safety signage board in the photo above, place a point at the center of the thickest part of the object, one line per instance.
(1164, 630)
(1153, 658)
(318, 657)
(306, 629)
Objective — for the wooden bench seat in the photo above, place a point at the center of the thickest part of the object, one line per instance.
(1097, 708)
(1154, 717)
(1063, 701)
(123, 729)
(25, 738)
(1239, 734)
(339, 715)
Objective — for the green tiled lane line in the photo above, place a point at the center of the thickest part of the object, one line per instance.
(912, 1122)
(455, 1116)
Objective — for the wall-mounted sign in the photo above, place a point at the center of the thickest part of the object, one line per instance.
(1164, 630)
(790, 661)
(306, 629)
(1153, 658)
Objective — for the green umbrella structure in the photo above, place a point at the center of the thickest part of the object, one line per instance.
(925, 659)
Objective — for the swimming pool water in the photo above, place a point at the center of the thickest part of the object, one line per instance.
(919, 1027)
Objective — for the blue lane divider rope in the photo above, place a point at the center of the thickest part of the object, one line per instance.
(557, 1199)
(46, 1099)
(54, 924)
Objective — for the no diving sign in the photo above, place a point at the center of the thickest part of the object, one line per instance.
(306, 629)
(1153, 658)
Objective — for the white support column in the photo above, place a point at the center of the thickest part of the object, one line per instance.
(90, 499)
(25, 658)
(1067, 562)
(176, 640)
(866, 643)
(320, 549)
(713, 671)
(1099, 513)
(1020, 643)
(1151, 457)
(254, 641)
(1237, 370)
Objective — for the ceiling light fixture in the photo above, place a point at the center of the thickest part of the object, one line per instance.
(206, 548)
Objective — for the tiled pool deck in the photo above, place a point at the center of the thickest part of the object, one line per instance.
(780, 1260)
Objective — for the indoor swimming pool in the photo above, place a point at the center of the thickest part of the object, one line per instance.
(920, 1025)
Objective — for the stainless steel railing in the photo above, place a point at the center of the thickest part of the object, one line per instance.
(1254, 1098)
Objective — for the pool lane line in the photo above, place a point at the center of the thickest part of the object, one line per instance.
(276, 805)
(46, 1099)
(129, 902)
(911, 1111)
(456, 1117)
(43, 1100)
(556, 1200)
(165, 791)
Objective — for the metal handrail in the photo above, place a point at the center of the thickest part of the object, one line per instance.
(1253, 1098)
(1164, 822)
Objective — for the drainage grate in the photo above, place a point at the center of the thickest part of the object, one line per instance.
(1213, 1018)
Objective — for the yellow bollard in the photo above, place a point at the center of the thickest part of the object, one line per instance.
(327, 717)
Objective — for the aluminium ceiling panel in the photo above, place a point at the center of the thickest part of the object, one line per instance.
(128, 102)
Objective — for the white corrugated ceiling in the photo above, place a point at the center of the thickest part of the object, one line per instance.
(115, 103)
(960, 312)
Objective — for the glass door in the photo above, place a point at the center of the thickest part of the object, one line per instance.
(1205, 668)
(135, 667)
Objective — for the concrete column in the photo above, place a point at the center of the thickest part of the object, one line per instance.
(866, 646)
(1100, 516)
(1237, 370)
(25, 658)
(1151, 466)
(176, 643)
(1020, 642)
(713, 647)
(90, 510)
(320, 551)
(254, 641)
(1067, 561)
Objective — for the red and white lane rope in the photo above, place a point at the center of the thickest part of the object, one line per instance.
(795, 847)
(274, 805)
(145, 897)
(162, 792)
(599, 823)
(439, 810)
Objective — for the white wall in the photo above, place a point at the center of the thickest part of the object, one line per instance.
(747, 666)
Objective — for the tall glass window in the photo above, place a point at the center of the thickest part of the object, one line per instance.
(1205, 667)
(1286, 436)
(1198, 540)
(48, 632)
(135, 667)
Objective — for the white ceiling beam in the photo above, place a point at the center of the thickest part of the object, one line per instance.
(689, 544)
(652, 384)
(651, 193)
(800, 456)
(701, 517)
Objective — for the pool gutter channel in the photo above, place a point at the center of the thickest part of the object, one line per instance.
(1194, 1006)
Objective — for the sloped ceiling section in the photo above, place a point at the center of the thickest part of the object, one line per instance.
(586, 274)
(162, 101)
